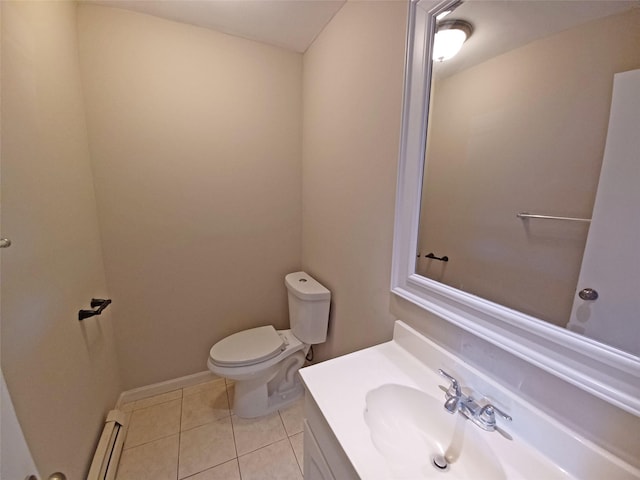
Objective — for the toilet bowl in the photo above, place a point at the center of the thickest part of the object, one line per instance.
(263, 361)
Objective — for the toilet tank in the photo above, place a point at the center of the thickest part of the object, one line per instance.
(308, 307)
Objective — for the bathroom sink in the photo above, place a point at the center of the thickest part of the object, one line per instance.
(420, 439)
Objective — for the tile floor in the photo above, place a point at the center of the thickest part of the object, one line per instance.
(191, 433)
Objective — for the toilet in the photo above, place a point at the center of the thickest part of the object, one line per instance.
(263, 361)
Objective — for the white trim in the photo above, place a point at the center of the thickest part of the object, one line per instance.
(107, 455)
(163, 387)
(605, 372)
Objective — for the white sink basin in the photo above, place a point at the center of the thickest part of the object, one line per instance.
(411, 429)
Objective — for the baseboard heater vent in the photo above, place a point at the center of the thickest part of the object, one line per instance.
(105, 460)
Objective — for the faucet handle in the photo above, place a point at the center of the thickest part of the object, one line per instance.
(454, 389)
(487, 416)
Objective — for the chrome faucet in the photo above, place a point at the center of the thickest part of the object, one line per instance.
(453, 394)
(456, 401)
(487, 417)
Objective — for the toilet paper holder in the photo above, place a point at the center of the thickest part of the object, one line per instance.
(98, 304)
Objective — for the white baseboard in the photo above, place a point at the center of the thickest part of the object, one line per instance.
(163, 387)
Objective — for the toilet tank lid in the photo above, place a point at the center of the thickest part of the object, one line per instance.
(247, 347)
(305, 287)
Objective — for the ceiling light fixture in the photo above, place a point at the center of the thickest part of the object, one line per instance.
(441, 15)
(450, 35)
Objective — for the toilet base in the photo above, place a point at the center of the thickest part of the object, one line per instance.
(257, 397)
(253, 404)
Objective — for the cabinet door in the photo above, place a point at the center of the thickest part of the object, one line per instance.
(315, 465)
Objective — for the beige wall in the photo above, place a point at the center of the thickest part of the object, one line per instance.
(353, 77)
(62, 374)
(524, 131)
(195, 143)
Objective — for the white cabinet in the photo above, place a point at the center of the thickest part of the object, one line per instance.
(315, 465)
(324, 458)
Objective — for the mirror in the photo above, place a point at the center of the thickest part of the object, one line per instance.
(516, 123)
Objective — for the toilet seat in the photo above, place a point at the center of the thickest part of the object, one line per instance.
(247, 347)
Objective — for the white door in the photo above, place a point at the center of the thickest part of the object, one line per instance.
(15, 458)
(611, 262)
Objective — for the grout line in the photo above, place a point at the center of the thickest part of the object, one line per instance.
(131, 412)
(291, 444)
(219, 419)
(155, 404)
(293, 452)
(134, 407)
(179, 433)
(150, 441)
(131, 419)
(268, 444)
(156, 389)
(204, 389)
(230, 417)
(295, 456)
(284, 427)
(260, 448)
(233, 430)
(237, 459)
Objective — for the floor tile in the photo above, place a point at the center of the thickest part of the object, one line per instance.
(205, 447)
(158, 399)
(297, 442)
(273, 462)
(293, 416)
(211, 438)
(216, 382)
(204, 406)
(254, 433)
(152, 461)
(226, 471)
(154, 422)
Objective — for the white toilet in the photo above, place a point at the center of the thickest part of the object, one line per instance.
(263, 361)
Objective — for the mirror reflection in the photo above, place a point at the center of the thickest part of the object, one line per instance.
(518, 124)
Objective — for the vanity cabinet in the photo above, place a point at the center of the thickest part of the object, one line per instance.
(324, 458)
(397, 384)
(315, 465)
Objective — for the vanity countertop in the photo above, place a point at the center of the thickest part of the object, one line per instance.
(540, 446)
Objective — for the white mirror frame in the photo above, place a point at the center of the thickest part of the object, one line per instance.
(603, 371)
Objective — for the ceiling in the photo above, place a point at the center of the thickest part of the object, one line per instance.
(290, 24)
(502, 25)
(499, 25)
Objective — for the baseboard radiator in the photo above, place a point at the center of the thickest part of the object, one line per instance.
(105, 460)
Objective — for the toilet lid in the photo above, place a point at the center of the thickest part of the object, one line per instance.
(248, 347)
